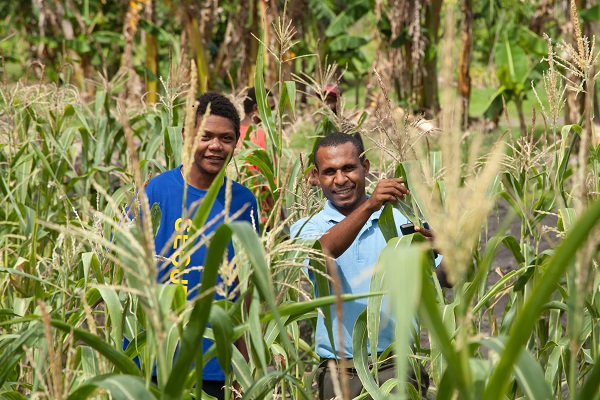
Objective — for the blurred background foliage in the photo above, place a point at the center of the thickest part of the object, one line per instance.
(75, 41)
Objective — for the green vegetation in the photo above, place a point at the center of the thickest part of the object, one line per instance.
(76, 145)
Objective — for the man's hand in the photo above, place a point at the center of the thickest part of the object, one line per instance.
(427, 233)
(386, 190)
(440, 271)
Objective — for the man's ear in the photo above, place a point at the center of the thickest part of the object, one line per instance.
(315, 176)
(366, 165)
(255, 108)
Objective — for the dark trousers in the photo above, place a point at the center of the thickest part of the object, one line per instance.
(385, 371)
(214, 388)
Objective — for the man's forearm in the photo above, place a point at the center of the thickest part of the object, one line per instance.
(339, 238)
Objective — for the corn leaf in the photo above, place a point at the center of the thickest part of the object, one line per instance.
(120, 387)
(387, 223)
(527, 370)
(115, 356)
(360, 353)
(523, 326)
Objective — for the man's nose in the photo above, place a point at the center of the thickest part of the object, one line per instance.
(340, 178)
(215, 144)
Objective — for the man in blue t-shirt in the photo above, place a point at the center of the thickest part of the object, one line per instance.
(348, 230)
(218, 141)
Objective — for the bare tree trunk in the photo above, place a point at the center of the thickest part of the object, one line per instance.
(151, 56)
(430, 99)
(542, 15)
(464, 63)
(133, 86)
(249, 48)
(192, 26)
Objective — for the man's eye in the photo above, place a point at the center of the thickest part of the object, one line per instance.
(228, 139)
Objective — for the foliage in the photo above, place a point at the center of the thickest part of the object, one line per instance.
(77, 281)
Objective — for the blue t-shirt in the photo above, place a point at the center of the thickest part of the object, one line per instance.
(166, 190)
(354, 267)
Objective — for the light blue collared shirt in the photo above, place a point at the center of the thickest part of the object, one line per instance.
(355, 266)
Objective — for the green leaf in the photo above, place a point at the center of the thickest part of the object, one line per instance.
(360, 353)
(531, 42)
(288, 96)
(438, 362)
(347, 43)
(120, 387)
(261, 276)
(90, 261)
(566, 219)
(115, 313)
(435, 159)
(256, 335)
(387, 223)
(590, 14)
(296, 309)
(260, 158)
(322, 287)
(10, 357)
(512, 63)
(261, 95)
(591, 386)
(527, 370)
(406, 279)
(546, 284)
(430, 314)
(339, 25)
(116, 357)
(223, 331)
(193, 332)
(12, 395)
(87, 361)
(208, 200)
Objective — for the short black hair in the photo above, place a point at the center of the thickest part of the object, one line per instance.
(219, 105)
(250, 100)
(335, 139)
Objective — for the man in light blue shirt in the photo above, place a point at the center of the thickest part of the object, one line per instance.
(348, 231)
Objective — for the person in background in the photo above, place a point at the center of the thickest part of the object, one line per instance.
(332, 95)
(252, 117)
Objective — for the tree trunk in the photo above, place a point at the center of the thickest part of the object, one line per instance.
(249, 48)
(192, 27)
(133, 86)
(464, 63)
(151, 56)
(430, 99)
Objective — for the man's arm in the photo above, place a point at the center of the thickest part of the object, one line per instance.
(337, 239)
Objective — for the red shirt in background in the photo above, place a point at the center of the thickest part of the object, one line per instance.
(257, 136)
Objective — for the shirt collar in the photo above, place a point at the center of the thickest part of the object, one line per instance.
(332, 214)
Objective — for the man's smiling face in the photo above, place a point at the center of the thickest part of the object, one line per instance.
(218, 142)
(341, 175)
